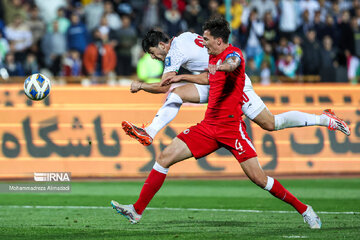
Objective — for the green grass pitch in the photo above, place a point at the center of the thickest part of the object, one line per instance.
(184, 217)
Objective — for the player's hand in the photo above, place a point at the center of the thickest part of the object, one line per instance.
(212, 68)
(135, 86)
(175, 79)
(166, 81)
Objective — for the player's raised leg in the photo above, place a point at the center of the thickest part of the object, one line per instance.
(254, 171)
(256, 110)
(169, 110)
(175, 152)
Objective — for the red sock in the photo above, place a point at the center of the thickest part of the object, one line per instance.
(280, 192)
(152, 184)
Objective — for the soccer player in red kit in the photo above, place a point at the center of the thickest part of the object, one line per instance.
(222, 127)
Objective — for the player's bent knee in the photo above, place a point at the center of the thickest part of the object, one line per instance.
(161, 160)
(165, 160)
(180, 92)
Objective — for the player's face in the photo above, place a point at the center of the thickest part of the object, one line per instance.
(159, 52)
(210, 42)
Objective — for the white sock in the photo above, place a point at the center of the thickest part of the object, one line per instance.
(299, 119)
(165, 114)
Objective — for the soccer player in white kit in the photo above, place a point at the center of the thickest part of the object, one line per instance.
(187, 51)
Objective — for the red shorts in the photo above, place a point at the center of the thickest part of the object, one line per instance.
(203, 139)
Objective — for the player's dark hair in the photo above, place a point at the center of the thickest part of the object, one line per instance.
(153, 38)
(218, 28)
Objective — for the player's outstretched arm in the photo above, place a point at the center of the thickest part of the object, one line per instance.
(229, 65)
(148, 87)
(198, 78)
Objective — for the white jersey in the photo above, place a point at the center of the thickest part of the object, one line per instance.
(187, 51)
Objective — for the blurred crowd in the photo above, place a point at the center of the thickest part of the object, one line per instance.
(286, 38)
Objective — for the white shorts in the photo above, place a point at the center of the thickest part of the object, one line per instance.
(203, 91)
(253, 105)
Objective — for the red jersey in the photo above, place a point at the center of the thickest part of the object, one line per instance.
(226, 89)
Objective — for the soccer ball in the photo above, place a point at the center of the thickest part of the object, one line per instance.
(37, 87)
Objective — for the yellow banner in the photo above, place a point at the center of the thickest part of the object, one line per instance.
(78, 130)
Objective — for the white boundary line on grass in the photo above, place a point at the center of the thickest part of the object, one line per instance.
(175, 209)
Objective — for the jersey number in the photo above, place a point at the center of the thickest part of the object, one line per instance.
(246, 98)
(199, 41)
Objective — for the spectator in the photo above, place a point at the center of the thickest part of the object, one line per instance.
(335, 12)
(149, 70)
(77, 36)
(244, 23)
(305, 25)
(264, 6)
(271, 29)
(328, 59)
(191, 16)
(319, 26)
(112, 17)
(12, 66)
(62, 21)
(19, 36)
(324, 9)
(251, 69)
(104, 27)
(356, 30)
(297, 51)
(265, 74)
(311, 60)
(12, 10)
(124, 7)
(36, 24)
(285, 47)
(357, 15)
(4, 47)
(178, 5)
(287, 66)
(267, 56)
(54, 46)
(311, 6)
(72, 64)
(235, 13)
(48, 9)
(354, 10)
(125, 40)
(99, 57)
(2, 27)
(31, 66)
(288, 18)
(210, 11)
(354, 62)
(346, 40)
(345, 5)
(245, 13)
(255, 31)
(93, 13)
(330, 29)
(173, 23)
(152, 17)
